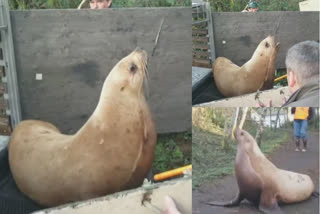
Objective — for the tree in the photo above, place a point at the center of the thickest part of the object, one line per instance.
(286, 119)
(316, 117)
(229, 129)
(277, 118)
(270, 110)
(244, 115)
(233, 122)
(261, 126)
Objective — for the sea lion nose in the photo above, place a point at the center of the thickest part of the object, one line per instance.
(138, 49)
(236, 131)
(272, 39)
(142, 52)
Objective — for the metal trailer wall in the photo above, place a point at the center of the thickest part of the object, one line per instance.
(244, 31)
(74, 50)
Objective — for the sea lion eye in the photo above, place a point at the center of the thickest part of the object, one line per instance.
(133, 68)
(267, 44)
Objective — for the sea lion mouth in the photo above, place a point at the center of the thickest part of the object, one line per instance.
(237, 132)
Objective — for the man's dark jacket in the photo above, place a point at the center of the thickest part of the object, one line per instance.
(306, 96)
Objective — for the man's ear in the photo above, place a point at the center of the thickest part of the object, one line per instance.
(109, 2)
(292, 79)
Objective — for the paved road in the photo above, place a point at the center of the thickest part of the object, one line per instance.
(285, 158)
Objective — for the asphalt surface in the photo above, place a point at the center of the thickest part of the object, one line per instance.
(286, 158)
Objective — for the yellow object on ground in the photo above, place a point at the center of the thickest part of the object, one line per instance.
(171, 173)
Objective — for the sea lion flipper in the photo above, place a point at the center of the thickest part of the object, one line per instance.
(315, 194)
(269, 204)
(234, 202)
(274, 210)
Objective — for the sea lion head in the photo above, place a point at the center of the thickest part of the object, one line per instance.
(267, 47)
(246, 141)
(128, 75)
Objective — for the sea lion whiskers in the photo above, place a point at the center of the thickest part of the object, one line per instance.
(143, 60)
(146, 80)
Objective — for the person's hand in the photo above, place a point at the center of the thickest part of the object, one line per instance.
(261, 104)
(285, 99)
(170, 206)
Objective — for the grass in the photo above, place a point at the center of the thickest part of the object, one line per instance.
(211, 162)
(172, 151)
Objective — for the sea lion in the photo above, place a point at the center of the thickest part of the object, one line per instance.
(113, 150)
(256, 74)
(261, 182)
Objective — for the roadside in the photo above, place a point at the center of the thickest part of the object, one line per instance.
(285, 157)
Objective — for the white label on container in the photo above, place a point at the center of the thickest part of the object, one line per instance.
(38, 76)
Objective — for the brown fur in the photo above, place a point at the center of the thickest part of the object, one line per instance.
(256, 74)
(113, 151)
(265, 179)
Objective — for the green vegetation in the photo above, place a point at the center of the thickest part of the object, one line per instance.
(172, 151)
(211, 119)
(313, 126)
(217, 5)
(283, 82)
(264, 5)
(210, 161)
(42, 4)
(50, 4)
(152, 3)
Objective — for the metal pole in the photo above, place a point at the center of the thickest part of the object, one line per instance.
(210, 32)
(10, 65)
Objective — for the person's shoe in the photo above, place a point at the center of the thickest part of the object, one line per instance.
(297, 144)
(304, 150)
(304, 144)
